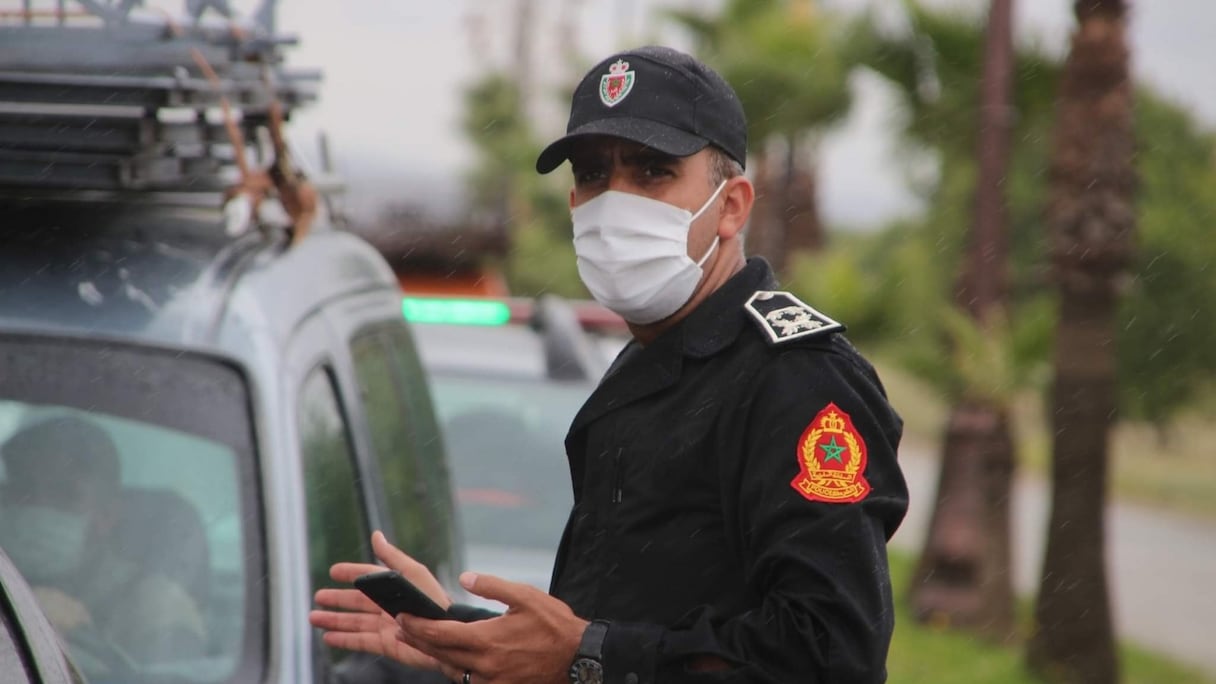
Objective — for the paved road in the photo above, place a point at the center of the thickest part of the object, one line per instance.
(1162, 566)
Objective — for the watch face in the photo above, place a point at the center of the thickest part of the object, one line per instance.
(586, 671)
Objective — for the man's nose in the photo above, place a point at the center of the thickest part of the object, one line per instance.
(620, 181)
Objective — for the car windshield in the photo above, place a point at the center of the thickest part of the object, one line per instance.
(505, 440)
(127, 491)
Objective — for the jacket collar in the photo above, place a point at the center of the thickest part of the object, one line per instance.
(716, 323)
(713, 326)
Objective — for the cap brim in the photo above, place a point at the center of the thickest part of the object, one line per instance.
(660, 136)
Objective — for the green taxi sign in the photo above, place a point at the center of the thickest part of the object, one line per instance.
(455, 311)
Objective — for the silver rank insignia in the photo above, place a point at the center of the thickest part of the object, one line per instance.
(784, 317)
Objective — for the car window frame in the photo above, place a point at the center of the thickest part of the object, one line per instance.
(380, 334)
(325, 368)
(348, 317)
(253, 662)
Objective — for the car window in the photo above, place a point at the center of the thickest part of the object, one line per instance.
(127, 490)
(337, 524)
(506, 445)
(406, 444)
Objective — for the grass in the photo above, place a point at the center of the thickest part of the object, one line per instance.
(926, 654)
(1177, 473)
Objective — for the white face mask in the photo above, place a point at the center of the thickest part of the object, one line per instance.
(46, 544)
(633, 254)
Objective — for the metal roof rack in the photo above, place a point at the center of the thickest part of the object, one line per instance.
(94, 98)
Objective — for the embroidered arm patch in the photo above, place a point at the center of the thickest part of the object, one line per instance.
(784, 317)
(831, 459)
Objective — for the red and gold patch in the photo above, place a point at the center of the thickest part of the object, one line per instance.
(832, 459)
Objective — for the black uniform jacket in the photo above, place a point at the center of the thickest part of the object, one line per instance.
(715, 511)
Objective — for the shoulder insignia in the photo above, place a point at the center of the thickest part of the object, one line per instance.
(783, 317)
(832, 459)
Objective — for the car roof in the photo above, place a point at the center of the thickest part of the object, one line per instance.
(550, 338)
(508, 350)
(164, 273)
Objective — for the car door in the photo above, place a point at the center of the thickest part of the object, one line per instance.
(393, 406)
(338, 518)
(30, 651)
(343, 486)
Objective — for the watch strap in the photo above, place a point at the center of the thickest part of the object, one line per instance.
(592, 643)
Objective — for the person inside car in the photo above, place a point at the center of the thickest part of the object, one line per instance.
(70, 528)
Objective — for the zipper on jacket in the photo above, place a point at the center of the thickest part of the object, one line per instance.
(616, 477)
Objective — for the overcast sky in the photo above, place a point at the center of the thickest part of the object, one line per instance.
(394, 71)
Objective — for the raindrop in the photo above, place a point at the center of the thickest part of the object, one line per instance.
(89, 293)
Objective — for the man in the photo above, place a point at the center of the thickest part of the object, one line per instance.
(734, 474)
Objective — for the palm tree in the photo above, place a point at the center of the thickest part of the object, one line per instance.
(1091, 216)
(943, 69)
(790, 65)
(963, 575)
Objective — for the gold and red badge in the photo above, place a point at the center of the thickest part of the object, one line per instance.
(832, 459)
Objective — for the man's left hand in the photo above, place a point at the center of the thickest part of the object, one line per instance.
(534, 642)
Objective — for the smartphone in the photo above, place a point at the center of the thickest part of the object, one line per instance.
(395, 594)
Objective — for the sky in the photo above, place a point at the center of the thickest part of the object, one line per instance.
(394, 71)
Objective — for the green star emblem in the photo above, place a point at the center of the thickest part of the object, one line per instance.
(832, 451)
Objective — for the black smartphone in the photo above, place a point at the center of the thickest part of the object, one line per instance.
(395, 594)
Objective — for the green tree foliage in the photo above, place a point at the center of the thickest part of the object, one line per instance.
(936, 71)
(788, 61)
(505, 183)
(1166, 350)
(901, 279)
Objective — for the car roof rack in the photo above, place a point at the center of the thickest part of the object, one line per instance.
(93, 97)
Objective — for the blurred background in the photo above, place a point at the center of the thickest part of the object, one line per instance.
(1008, 202)
(1014, 224)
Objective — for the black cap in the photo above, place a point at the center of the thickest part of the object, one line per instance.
(658, 97)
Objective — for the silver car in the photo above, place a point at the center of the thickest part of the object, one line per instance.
(507, 377)
(194, 427)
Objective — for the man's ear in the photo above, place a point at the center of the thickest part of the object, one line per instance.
(738, 197)
(571, 199)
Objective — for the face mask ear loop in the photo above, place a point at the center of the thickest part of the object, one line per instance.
(708, 202)
(711, 249)
(705, 206)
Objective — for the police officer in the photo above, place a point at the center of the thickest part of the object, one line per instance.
(735, 476)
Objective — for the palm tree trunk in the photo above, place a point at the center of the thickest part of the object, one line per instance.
(803, 227)
(1091, 218)
(963, 578)
(764, 230)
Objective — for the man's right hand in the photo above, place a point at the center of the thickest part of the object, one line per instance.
(352, 621)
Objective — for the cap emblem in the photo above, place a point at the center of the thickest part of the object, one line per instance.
(616, 84)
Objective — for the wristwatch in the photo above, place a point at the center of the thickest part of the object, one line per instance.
(588, 665)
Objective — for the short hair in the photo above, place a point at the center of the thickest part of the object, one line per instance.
(721, 166)
(41, 453)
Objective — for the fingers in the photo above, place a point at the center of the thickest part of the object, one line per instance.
(498, 589)
(440, 637)
(457, 674)
(380, 643)
(347, 572)
(346, 599)
(375, 634)
(392, 556)
(452, 660)
(412, 570)
(350, 622)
